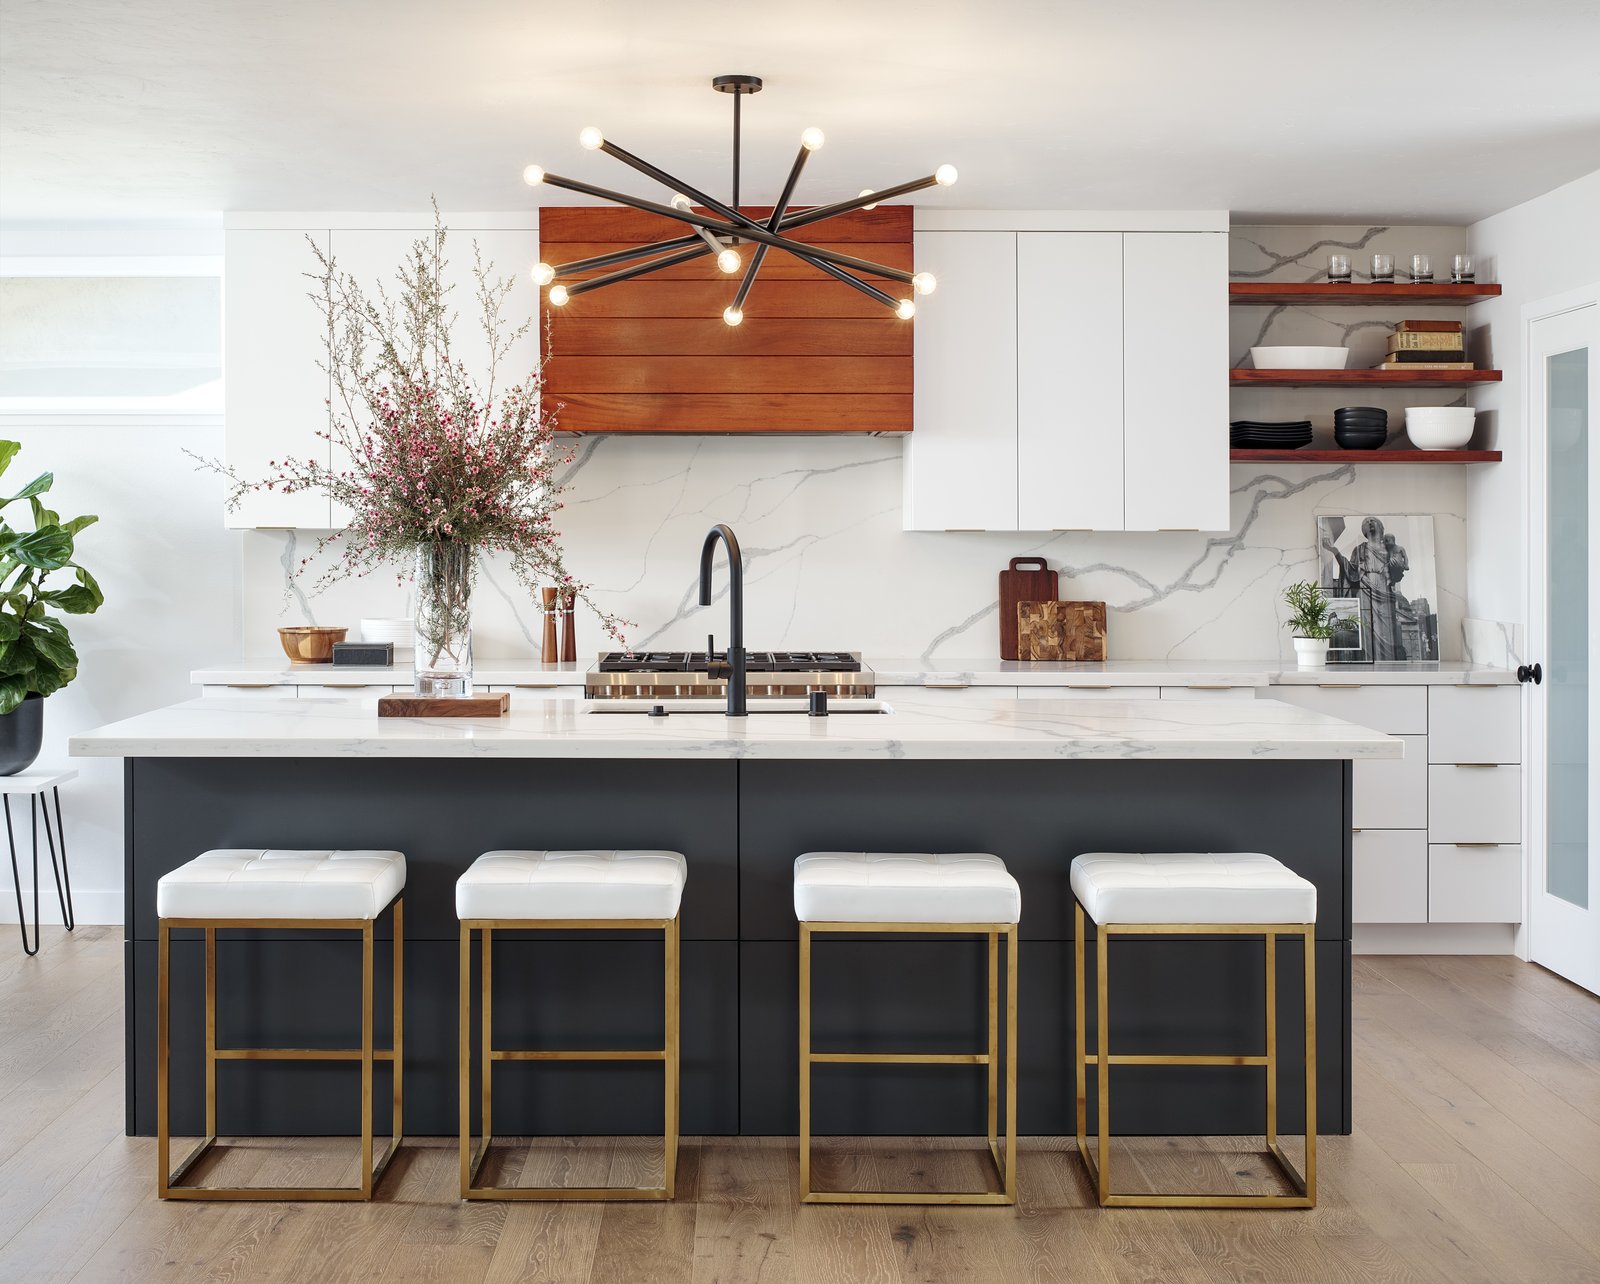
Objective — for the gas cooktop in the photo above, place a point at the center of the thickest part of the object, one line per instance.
(671, 674)
(755, 661)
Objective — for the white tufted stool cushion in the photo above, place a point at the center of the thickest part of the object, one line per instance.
(904, 887)
(1191, 887)
(575, 884)
(253, 883)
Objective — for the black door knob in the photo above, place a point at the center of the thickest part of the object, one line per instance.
(1533, 673)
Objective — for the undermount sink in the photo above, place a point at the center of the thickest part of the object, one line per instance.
(757, 705)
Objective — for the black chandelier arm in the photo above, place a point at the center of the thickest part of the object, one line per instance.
(643, 269)
(871, 291)
(800, 218)
(748, 229)
(613, 257)
(672, 184)
(760, 253)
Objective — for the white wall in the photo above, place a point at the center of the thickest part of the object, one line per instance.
(170, 575)
(1544, 247)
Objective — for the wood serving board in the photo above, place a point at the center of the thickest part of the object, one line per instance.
(478, 706)
(1061, 630)
(1018, 585)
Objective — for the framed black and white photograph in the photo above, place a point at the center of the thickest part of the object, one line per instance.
(1385, 565)
(1351, 640)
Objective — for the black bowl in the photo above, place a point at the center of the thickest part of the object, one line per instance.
(1346, 421)
(1347, 442)
(1375, 411)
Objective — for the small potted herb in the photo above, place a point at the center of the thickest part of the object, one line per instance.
(1308, 617)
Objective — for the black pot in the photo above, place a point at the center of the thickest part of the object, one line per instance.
(21, 735)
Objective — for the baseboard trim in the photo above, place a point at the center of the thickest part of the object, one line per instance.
(1433, 938)
(89, 905)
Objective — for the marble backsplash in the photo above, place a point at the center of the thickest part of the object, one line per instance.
(829, 566)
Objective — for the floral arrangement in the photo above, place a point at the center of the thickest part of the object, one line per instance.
(432, 464)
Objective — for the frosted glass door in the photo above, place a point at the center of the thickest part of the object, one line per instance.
(1565, 908)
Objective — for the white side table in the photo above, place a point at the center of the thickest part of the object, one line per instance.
(34, 784)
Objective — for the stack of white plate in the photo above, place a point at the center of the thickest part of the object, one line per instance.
(396, 631)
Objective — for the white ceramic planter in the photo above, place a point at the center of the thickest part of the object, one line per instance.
(1311, 653)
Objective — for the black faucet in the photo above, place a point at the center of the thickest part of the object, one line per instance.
(735, 667)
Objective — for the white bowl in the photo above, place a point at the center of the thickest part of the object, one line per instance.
(1281, 358)
(1439, 427)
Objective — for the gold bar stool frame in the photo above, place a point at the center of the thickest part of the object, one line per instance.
(559, 890)
(870, 883)
(236, 877)
(1130, 870)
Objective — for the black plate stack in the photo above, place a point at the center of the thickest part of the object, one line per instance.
(1360, 427)
(1254, 434)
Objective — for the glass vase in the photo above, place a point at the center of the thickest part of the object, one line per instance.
(443, 623)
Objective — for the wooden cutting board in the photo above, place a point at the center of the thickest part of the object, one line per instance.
(1061, 630)
(1038, 584)
(487, 705)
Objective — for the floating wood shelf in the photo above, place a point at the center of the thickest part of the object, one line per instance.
(1344, 378)
(1364, 456)
(1322, 292)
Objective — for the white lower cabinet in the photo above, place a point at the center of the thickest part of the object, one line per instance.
(1475, 724)
(1201, 691)
(1088, 693)
(1390, 794)
(1395, 711)
(1474, 883)
(248, 691)
(1474, 804)
(1389, 876)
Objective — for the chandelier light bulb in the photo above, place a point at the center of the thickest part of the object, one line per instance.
(811, 139)
(558, 296)
(681, 202)
(732, 315)
(905, 309)
(867, 191)
(590, 138)
(728, 261)
(543, 274)
(924, 283)
(533, 175)
(945, 175)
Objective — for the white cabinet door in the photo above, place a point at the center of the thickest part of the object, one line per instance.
(1475, 724)
(374, 257)
(1209, 691)
(276, 395)
(961, 456)
(1069, 380)
(1474, 884)
(1399, 711)
(1389, 876)
(1389, 794)
(1175, 380)
(1474, 804)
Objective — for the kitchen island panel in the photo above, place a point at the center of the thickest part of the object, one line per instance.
(1036, 816)
(442, 816)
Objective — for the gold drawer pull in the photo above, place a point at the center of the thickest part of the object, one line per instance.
(251, 686)
(1475, 844)
(1481, 766)
(1340, 686)
(1211, 686)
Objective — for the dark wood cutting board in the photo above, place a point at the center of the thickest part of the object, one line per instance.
(1017, 584)
(1061, 630)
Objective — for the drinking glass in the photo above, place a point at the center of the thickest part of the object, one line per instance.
(1383, 269)
(1421, 269)
(1462, 271)
(1339, 269)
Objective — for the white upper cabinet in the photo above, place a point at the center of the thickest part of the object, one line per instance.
(275, 399)
(962, 474)
(1175, 380)
(1069, 390)
(1087, 390)
(276, 392)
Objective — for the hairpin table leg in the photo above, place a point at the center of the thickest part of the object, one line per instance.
(63, 875)
(16, 877)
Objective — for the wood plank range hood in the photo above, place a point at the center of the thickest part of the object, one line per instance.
(654, 355)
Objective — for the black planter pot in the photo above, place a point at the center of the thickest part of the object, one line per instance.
(21, 735)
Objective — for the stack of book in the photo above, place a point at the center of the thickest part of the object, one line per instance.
(1426, 345)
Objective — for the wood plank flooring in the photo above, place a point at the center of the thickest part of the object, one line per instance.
(1477, 1161)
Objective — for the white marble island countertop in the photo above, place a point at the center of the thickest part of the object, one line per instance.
(913, 727)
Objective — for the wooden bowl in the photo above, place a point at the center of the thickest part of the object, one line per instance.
(310, 643)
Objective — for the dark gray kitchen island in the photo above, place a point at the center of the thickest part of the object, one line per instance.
(1035, 782)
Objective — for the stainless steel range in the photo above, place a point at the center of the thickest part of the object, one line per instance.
(642, 675)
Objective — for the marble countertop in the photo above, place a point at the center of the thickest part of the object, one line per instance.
(918, 726)
(900, 672)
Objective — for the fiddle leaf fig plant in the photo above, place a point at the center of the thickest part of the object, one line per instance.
(36, 652)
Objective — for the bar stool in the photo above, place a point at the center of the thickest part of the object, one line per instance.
(566, 891)
(1193, 894)
(318, 890)
(968, 893)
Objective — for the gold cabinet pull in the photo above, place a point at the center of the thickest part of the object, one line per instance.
(1481, 766)
(1340, 686)
(1475, 844)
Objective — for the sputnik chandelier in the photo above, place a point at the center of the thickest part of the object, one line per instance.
(725, 227)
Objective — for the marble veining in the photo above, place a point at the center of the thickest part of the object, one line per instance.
(924, 727)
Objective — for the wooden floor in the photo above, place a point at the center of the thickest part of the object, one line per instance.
(1477, 1093)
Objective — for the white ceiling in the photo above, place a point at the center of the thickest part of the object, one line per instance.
(1393, 110)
